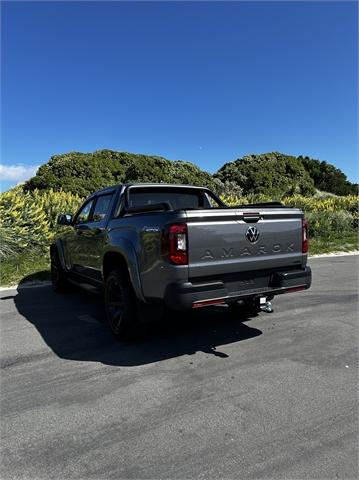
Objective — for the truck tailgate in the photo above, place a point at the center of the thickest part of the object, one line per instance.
(223, 241)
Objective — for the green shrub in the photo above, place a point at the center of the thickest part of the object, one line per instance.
(329, 224)
(273, 174)
(328, 178)
(9, 242)
(84, 173)
(28, 219)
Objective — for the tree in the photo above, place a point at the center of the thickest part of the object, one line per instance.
(328, 178)
(83, 173)
(273, 174)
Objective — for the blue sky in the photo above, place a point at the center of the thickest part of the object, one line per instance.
(205, 82)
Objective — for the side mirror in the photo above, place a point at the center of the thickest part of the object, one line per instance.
(64, 219)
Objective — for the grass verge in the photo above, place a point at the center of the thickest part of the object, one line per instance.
(26, 267)
(347, 243)
(36, 266)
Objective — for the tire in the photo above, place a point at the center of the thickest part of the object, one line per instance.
(59, 280)
(121, 306)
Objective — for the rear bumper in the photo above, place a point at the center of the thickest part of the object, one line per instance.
(184, 296)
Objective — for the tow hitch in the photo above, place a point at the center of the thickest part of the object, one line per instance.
(265, 305)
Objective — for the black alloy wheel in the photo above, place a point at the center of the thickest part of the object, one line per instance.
(120, 304)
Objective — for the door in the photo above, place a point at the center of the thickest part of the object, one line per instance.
(86, 242)
(96, 235)
(76, 243)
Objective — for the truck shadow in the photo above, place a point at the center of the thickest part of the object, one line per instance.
(73, 326)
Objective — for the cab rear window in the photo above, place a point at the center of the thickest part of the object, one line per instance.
(176, 199)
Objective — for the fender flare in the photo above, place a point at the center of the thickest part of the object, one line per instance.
(125, 248)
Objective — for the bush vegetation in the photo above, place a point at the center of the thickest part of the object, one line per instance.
(28, 219)
(273, 174)
(28, 213)
(84, 173)
(328, 178)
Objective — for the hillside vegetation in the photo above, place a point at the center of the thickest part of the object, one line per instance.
(274, 174)
(28, 213)
(328, 178)
(83, 173)
(28, 225)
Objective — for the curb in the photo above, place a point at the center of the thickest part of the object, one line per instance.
(26, 285)
(334, 254)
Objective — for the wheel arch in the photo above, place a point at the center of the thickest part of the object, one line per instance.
(116, 258)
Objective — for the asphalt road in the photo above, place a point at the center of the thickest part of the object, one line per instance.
(210, 396)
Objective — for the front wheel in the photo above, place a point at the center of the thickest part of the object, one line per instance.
(121, 306)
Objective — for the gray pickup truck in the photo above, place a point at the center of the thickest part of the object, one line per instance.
(178, 246)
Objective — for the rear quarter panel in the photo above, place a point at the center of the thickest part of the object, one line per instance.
(139, 237)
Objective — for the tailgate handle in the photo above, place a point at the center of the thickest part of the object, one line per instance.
(251, 218)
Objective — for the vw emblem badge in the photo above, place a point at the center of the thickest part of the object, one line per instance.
(252, 234)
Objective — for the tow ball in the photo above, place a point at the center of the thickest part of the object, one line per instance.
(265, 305)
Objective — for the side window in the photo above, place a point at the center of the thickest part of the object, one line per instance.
(101, 208)
(84, 213)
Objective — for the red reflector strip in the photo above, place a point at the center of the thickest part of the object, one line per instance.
(205, 303)
(294, 289)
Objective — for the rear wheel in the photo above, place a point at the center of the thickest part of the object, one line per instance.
(58, 275)
(121, 305)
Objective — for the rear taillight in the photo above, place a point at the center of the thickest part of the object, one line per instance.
(175, 244)
(305, 240)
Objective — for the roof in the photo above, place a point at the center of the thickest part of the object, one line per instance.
(112, 187)
(176, 185)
